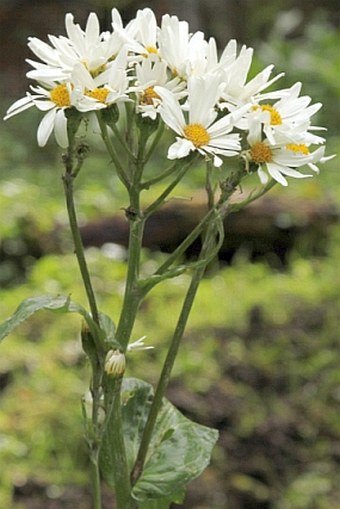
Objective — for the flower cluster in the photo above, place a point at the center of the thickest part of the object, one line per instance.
(168, 73)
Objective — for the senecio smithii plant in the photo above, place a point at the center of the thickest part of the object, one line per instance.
(127, 85)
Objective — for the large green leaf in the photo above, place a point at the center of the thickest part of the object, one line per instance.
(179, 451)
(57, 304)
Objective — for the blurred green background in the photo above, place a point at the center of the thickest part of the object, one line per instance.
(261, 357)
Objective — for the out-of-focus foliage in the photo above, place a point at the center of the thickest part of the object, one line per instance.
(266, 357)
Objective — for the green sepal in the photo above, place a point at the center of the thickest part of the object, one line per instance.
(74, 117)
(147, 125)
(110, 115)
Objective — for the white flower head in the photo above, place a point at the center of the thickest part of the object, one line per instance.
(54, 101)
(280, 160)
(148, 75)
(110, 86)
(235, 68)
(289, 117)
(90, 47)
(144, 31)
(201, 132)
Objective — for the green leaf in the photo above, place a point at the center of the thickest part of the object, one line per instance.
(57, 304)
(179, 451)
(162, 503)
(109, 329)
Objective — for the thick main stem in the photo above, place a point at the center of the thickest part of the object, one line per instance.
(96, 487)
(120, 468)
(132, 296)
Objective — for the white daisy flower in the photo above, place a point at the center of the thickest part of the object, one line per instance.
(136, 33)
(185, 54)
(93, 49)
(281, 159)
(148, 75)
(144, 31)
(54, 101)
(111, 86)
(235, 69)
(289, 117)
(202, 132)
(173, 43)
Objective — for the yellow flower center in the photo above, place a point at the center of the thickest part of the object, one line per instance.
(148, 96)
(197, 134)
(260, 153)
(151, 49)
(275, 117)
(60, 96)
(298, 148)
(98, 93)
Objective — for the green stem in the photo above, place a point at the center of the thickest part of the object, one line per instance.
(121, 140)
(132, 295)
(162, 197)
(172, 353)
(155, 141)
(180, 250)
(115, 159)
(114, 430)
(68, 179)
(166, 173)
(97, 499)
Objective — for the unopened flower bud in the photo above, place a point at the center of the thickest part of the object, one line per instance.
(115, 363)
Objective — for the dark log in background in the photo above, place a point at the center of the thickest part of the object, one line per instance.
(269, 228)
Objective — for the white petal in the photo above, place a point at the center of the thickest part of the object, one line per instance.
(43, 51)
(262, 175)
(18, 106)
(294, 173)
(46, 127)
(60, 129)
(42, 104)
(170, 110)
(217, 161)
(181, 148)
(274, 171)
(92, 29)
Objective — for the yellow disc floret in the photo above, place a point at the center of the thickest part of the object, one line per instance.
(260, 153)
(98, 93)
(61, 96)
(299, 148)
(148, 96)
(151, 49)
(197, 134)
(275, 117)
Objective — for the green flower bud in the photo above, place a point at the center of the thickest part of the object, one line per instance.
(147, 125)
(115, 363)
(110, 115)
